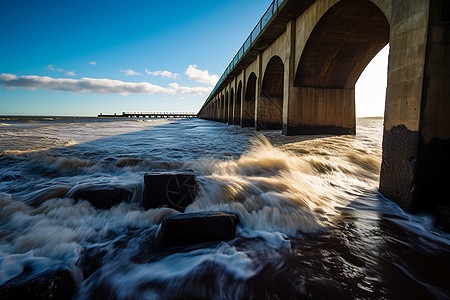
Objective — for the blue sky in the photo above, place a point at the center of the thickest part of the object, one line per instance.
(113, 56)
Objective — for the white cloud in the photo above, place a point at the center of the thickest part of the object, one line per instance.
(130, 72)
(201, 76)
(52, 68)
(93, 63)
(200, 90)
(93, 85)
(71, 73)
(166, 74)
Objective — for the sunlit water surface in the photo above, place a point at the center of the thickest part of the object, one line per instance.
(313, 224)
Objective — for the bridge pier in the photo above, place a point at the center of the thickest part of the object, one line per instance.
(416, 142)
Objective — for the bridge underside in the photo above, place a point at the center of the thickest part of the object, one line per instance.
(301, 74)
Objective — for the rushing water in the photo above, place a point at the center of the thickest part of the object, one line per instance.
(312, 224)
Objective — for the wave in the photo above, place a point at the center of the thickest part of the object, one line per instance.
(70, 143)
(277, 189)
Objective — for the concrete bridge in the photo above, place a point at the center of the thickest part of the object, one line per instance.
(298, 68)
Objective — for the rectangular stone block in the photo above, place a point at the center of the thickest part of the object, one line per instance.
(170, 188)
(196, 228)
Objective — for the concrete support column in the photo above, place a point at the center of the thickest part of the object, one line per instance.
(416, 141)
(289, 75)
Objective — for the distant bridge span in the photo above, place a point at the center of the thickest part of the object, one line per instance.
(298, 68)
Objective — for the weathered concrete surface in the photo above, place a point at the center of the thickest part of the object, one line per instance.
(322, 111)
(104, 198)
(248, 107)
(399, 166)
(418, 101)
(59, 286)
(172, 188)
(196, 228)
(434, 143)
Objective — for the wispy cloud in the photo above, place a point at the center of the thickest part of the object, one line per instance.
(93, 63)
(166, 74)
(130, 72)
(199, 90)
(53, 69)
(201, 76)
(93, 85)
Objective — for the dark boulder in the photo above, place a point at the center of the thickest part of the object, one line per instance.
(196, 228)
(172, 188)
(58, 285)
(104, 198)
(442, 214)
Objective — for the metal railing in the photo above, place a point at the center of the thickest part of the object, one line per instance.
(270, 12)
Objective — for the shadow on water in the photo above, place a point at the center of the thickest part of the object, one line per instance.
(364, 255)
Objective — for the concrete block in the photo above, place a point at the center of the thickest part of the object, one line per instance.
(58, 285)
(172, 188)
(196, 228)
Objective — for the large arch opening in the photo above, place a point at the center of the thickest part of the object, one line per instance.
(341, 45)
(237, 106)
(370, 89)
(270, 107)
(248, 107)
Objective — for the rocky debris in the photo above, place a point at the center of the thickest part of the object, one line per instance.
(172, 188)
(58, 285)
(104, 198)
(195, 228)
(442, 214)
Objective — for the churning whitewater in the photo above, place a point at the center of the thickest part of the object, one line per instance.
(312, 224)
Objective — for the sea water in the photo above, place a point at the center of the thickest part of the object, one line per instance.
(312, 222)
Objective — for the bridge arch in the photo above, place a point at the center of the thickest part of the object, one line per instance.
(324, 47)
(248, 105)
(341, 43)
(270, 106)
(237, 105)
(231, 107)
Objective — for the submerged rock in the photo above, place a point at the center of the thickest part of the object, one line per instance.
(442, 214)
(196, 228)
(172, 188)
(104, 198)
(58, 285)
